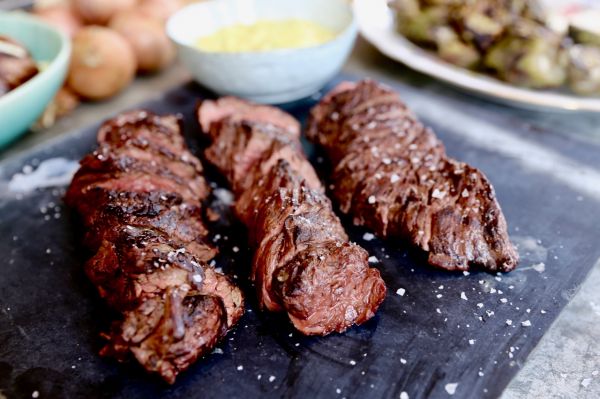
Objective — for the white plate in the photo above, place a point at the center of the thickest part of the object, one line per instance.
(376, 24)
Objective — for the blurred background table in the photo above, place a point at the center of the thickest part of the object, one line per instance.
(566, 363)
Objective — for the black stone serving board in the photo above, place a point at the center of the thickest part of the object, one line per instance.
(419, 342)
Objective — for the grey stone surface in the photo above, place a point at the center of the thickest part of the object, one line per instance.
(566, 363)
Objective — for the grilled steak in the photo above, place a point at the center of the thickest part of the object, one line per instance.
(139, 197)
(392, 174)
(16, 65)
(303, 262)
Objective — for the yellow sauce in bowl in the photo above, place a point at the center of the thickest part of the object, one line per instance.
(266, 35)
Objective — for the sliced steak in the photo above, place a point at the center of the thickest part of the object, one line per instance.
(237, 109)
(139, 198)
(303, 263)
(392, 174)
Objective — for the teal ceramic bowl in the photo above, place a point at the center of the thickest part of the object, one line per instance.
(20, 107)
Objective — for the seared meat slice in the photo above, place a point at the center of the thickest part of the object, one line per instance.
(167, 333)
(16, 65)
(238, 110)
(303, 263)
(392, 174)
(141, 208)
(241, 144)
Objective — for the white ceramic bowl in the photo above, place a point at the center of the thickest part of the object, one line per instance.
(275, 76)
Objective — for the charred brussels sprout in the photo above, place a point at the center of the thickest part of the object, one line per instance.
(453, 50)
(584, 69)
(529, 56)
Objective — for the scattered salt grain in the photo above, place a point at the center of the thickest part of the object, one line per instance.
(463, 296)
(338, 391)
(352, 362)
(400, 291)
(217, 351)
(438, 296)
(438, 194)
(373, 259)
(403, 395)
(585, 382)
(508, 322)
(466, 273)
(480, 305)
(402, 360)
(240, 367)
(451, 388)
(438, 310)
(542, 311)
(272, 378)
(368, 236)
(539, 267)
(526, 323)
(503, 300)
(371, 199)
(471, 342)
(235, 249)
(480, 374)
(35, 394)
(465, 193)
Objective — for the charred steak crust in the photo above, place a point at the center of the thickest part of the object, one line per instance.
(391, 174)
(139, 197)
(303, 262)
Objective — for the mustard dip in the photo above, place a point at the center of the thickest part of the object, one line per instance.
(266, 35)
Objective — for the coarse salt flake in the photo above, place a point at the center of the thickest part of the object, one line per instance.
(400, 291)
(403, 395)
(451, 388)
(368, 237)
(272, 378)
(465, 193)
(438, 194)
(508, 322)
(373, 259)
(463, 296)
(526, 323)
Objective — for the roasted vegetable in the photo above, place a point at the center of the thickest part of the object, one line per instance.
(529, 55)
(584, 27)
(584, 69)
(419, 24)
(513, 39)
(453, 50)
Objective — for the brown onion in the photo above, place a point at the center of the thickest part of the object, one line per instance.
(61, 17)
(102, 63)
(152, 47)
(160, 10)
(100, 11)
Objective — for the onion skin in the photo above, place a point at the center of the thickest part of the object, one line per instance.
(99, 12)
(153, 49)
(61, 17)
(160, 10)
(102, 63)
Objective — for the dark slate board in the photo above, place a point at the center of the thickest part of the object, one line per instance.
(418, 343)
